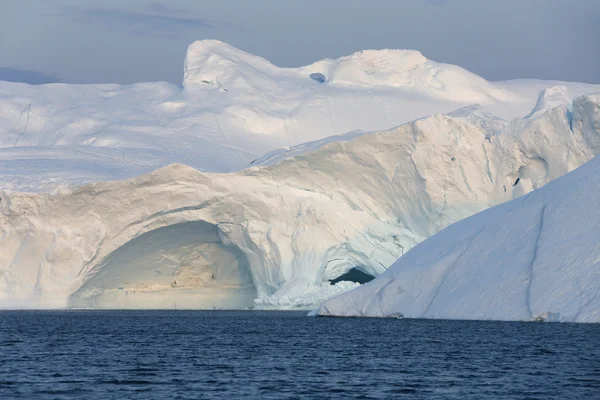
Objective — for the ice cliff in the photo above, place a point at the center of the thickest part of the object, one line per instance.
(275, 235)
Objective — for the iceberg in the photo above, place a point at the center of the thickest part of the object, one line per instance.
(231, 109)
(287, 232)
(535, 258)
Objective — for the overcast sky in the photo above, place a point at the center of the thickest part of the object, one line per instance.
(87, 41)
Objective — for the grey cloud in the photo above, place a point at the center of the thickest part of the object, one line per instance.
(156, 18)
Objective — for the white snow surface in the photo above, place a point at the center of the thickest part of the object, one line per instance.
(531, 259)
(233, 108)
(274, 235)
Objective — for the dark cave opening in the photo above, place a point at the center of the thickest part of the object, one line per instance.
(354, 275)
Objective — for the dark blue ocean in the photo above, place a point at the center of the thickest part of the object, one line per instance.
(277, 355)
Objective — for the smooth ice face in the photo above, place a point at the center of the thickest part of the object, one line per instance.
(533, 259)
(233, 108)
(300, 220)
(184, 265)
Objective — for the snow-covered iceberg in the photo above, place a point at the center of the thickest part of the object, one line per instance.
(531, 259)
(277, 234)
(232, 108)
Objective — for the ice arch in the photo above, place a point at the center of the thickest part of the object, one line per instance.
(183, 265)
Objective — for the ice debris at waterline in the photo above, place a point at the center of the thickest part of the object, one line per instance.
(232, 108)
(277, 234)
(536, 258)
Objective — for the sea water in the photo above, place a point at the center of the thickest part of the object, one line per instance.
(275, 355)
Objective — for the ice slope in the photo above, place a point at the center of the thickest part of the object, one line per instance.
(278, 233)
(232, 108)
(534, 258)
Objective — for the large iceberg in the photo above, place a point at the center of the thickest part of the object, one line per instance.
(277, 234)
(232, 108)
(536, 258)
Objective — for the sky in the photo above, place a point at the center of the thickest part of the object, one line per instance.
(116, 41)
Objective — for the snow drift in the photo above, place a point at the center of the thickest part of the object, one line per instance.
(233, 108)
(531, 259)
(287, 233)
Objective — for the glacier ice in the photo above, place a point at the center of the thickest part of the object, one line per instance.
(323, 194)
(536, 258)
(231, 109)
(274, 235)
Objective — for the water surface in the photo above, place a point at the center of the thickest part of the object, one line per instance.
(274, 355)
